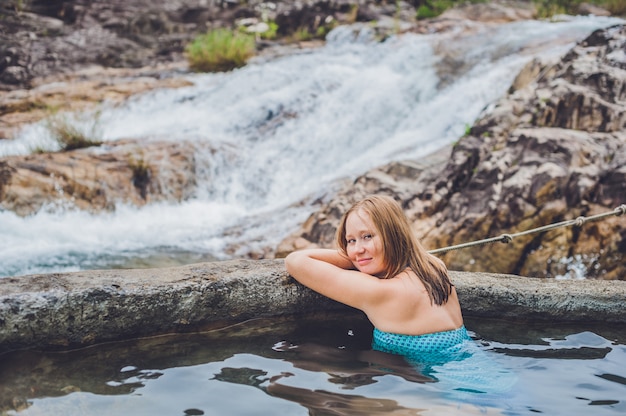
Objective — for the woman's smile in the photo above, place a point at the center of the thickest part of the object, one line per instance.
(363, 262)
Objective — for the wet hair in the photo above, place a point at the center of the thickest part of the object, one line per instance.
(401, 248)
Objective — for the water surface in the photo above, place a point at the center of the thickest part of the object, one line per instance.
(323, 365)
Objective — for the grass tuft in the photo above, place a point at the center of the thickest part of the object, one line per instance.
(220, 50)
(70, 136)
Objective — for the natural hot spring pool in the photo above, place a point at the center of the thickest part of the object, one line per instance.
(323, 366)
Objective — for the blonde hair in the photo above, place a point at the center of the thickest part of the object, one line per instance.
(401, 248)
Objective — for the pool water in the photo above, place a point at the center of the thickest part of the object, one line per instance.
(323, 365)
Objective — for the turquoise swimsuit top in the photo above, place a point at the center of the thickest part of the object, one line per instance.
(421, 346)
(453, 360)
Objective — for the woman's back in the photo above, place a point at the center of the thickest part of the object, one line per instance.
(407, 308)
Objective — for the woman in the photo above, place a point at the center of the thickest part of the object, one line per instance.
(381, 269)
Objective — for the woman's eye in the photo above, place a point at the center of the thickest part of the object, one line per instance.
(367, 236)
(351, 241)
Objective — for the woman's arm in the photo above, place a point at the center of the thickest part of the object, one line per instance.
(332, 275)
(334, 257)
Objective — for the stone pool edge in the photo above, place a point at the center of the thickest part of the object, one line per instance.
(68, 310)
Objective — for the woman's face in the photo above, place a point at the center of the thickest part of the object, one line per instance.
(364, 245)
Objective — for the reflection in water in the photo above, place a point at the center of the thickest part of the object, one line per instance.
(316, 401)
(323, 365)
(346, 369)
(326, 403)
(468, 376)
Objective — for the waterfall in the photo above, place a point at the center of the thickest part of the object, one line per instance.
(281, 131)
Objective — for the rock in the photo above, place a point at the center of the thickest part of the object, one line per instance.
(68, 310)
(553, 149)
(81, 90)
(493, 12)
(587, 8)
(42, 38)
(97, 178)
(464, 15)
(14, 75)
(95, 48)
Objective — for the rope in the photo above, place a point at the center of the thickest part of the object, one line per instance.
(507, 238)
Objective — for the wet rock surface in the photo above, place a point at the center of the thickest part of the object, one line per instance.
(64, 310)
(98, 178)
(72, 309)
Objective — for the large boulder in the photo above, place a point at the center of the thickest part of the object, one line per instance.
(553, 149)
(97, 178)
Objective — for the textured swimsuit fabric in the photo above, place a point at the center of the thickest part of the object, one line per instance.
(451, 358)
(413, 346)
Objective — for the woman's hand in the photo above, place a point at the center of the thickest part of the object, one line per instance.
(333, 275)
(333, 257)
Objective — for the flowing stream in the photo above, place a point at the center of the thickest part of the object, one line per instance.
(282, 131)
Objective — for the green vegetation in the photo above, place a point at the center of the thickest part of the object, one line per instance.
(18, 5)
(545, 8)
(616, 7)
(433, 8)
(323, 29)
(353, 13)
(321, 32)
(220, 50)
(69, 135)
(548, 8)
(302, 34)
(271, 33)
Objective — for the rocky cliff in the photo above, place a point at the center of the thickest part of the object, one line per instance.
(553, 149)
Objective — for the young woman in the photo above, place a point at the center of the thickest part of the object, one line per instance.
(382, 269)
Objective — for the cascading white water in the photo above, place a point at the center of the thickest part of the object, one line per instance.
(285, 129)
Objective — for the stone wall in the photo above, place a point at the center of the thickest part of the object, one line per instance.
(64, 310)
